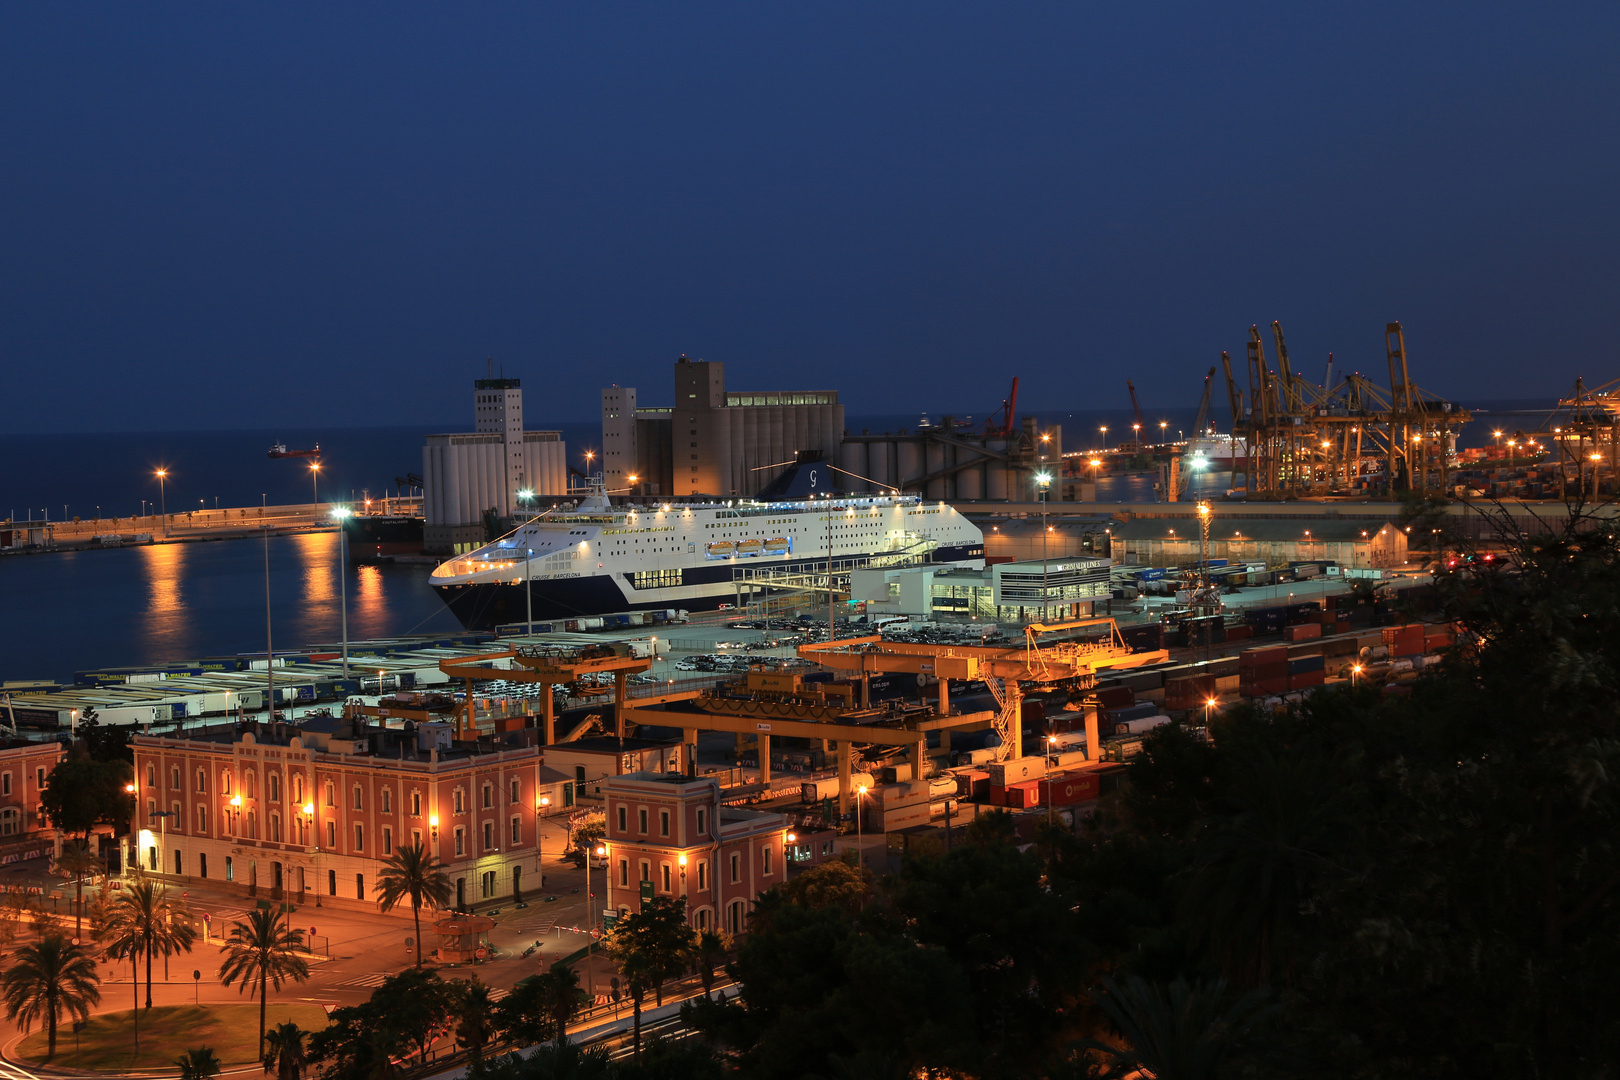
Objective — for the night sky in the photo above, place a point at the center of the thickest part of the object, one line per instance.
(224, 215)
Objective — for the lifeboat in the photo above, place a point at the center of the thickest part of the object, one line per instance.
(722, 549)
(777, 545)
(750, 547)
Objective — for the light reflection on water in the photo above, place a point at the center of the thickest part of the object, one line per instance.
(86, 610)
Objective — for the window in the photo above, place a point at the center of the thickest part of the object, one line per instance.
(202, 863)
(646, 870)
(416, 837)
(359, 798)
(5, 783)
(460, 801)
(331, 795)
(517, 832)
(624, 871)
(274, 783)
(174, 777)
(461, 841)
(514, 791)
(641, 816)
(416, 804)
(275, 828)
(225, 782)
(252, 785)
(359, 886)
(253, 824)
(151, 812)
(202, 820)
(622, 826)
(388, 800)
(388, 841)
(298, 789)
(703, 876)
(331, 837)
(359, 837)
(151, 775)
(489, 796)
(666, 878)
(331, 883)
(702, 822)
(736, 868)
(230, 869)
(765, 860)
(202, 780)
(489, 836)
(663, 823)
(10, 821)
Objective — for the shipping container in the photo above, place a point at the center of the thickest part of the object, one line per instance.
(1017, 770)
(1263, 687)
(1269, 654)
(1305, 680)
(1275, 670)
(1071, 788)
(1298, 664)
(1115, 696)
(1142, 726)
(1303, 631)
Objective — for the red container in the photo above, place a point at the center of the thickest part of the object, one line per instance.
(1302, 631)
(1264, 687)
(1436, 642)
(1407, 648)
(1024, 796)
(998, 795)
(1329, 618)
(1115, 697)
(1304, 680)
(1070, 789)
(1278, 670)
(1268, 654)
(1238, 633)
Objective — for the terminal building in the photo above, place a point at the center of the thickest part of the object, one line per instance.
(712, 441)
(1061, 586)
(1274, 542)
(471, 475)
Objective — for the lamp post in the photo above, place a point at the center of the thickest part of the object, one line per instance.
(540, 838)
(163, 502)
(1164, 430)
(526, 495)
(1044, 480)
(314, 486)
(860, 846)
(590, 898)
(309, 823)
(341, 513)
(1104, 430)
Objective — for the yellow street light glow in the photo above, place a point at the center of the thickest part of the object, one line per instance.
(433, 821)
(236, 800)
(601, 850)
(683, 858)
(309, 808)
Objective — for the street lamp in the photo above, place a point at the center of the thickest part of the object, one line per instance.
(309, 814)
(1164, 430)
(860, 846)
(341, 513)
(527, 494)
(314, 482)
(1044, 479)
(1355, 669)
(163, 502)
(1104, 430)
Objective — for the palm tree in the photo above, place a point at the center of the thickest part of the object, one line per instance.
(49, 980)
(123, 939)
(284, 1051)
(1183, 1031)
(561, 995)
(78, 860)
(144, 922)
(414, 874)
(708, 949)
(198, 1063)
(473, 1027)
(259, 952)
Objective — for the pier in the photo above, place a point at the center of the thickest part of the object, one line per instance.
(223, 523)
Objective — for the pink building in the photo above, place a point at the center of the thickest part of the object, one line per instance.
(24, 769)
(669, 836)
(313, 812)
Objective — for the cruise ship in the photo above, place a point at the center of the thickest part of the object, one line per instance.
(598, 558)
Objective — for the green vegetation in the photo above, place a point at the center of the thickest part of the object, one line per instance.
(49, 982)
(82, 792)
(106, 1045)
(413, 874)
(260, 953)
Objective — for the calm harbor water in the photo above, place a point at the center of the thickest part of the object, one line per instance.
(75, 611)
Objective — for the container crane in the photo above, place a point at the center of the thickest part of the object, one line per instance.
(1136, 445)
(1191, 461)
(1000, 424)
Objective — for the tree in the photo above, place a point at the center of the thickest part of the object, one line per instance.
(411, 873)
(473, 1015)
(284, 1051)
(77, 859)
(585, 838)
(418, 1003)
(1183, 1031)
(651, 946)
(48, 981)
(81, 793)
(555, 1061)
(838, 884)
(198, 1063)
(261, 952)
(143, 922)
(707, 952)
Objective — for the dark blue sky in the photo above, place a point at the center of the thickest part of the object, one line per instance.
(220, 215)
